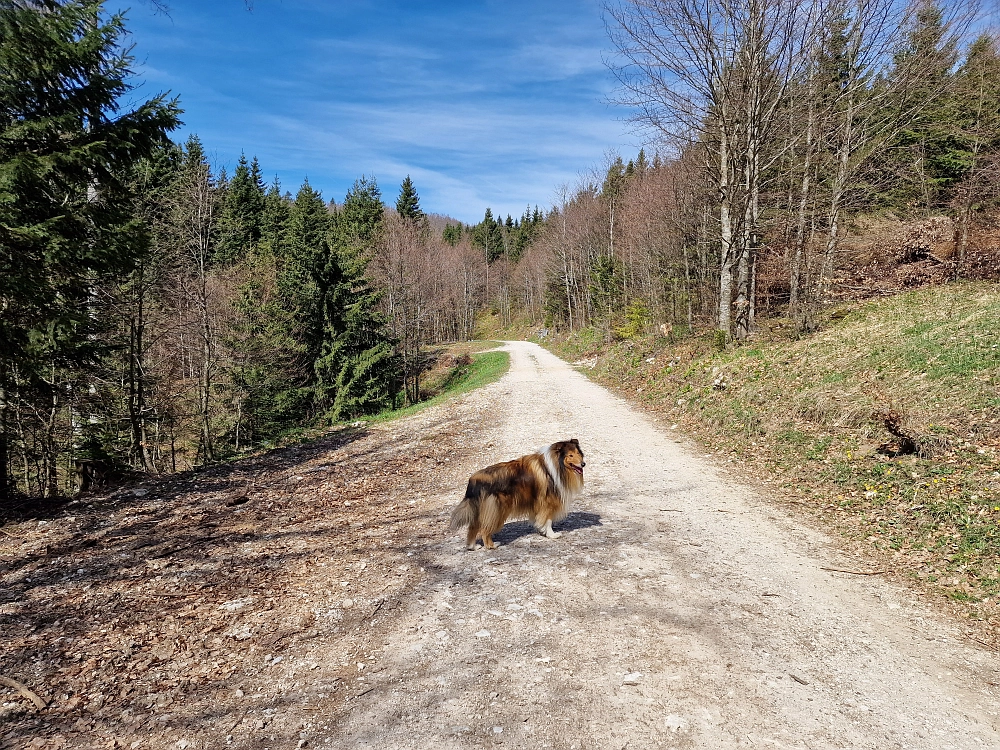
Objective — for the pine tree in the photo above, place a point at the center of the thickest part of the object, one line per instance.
(408, 203)
(67, 142)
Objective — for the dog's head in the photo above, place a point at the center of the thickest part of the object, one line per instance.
(571, 456)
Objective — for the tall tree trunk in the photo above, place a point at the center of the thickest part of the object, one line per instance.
(205, 380)
(725, 233)
(6, 475)
(50, 455)
(804, 191)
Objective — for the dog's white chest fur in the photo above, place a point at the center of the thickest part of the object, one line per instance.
(564, 493)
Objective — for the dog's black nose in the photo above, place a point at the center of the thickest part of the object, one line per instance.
(582, 464)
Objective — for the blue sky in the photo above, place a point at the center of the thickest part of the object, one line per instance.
(481, 103)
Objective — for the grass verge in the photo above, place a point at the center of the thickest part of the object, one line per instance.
(460, 374)
(811, 417)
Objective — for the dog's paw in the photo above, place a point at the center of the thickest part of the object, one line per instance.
(554, 534)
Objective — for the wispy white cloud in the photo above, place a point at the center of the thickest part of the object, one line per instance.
(481, 103)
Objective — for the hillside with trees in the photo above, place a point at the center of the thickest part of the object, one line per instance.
(807, 151)
(159, 313)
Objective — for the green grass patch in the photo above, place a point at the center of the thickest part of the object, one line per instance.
(483, 369)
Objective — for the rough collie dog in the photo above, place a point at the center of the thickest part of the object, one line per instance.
(538, 487)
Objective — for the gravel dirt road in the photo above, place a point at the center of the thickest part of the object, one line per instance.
(679, 609)
(313, 597)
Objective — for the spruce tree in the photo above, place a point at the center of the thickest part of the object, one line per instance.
(976, 118)
(614, 180)
(269, 379)
(305, 252)
(487, 236)
(135, 300)
(408, 203)
(67, 144)
(641, 164)
(242, 212)
(925, 160)
(274, 218)
(357, 370)
(359, 221)
(452, 233)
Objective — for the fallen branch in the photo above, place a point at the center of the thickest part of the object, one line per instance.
(171, 596)
(857, 572)
(798, 679)
(183, 547)
(239, 720)
(33, 697)
(671, 510)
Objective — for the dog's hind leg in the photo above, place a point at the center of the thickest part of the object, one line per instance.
(470, 539)
(491, 520)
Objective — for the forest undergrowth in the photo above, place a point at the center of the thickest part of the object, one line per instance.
(884, 425)
(450, 371)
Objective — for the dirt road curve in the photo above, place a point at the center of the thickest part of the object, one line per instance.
(679, 610)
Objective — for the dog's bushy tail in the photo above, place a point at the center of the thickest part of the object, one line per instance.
(463, 515)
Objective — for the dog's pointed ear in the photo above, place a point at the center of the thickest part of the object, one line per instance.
(575, 442)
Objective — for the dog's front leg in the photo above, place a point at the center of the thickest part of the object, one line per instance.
(549, 533)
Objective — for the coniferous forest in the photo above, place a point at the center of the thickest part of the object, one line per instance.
(158, 313)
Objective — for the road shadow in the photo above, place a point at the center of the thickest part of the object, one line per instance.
(575, 521)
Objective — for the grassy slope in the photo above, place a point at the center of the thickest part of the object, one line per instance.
(804, 413)
(484, 368)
